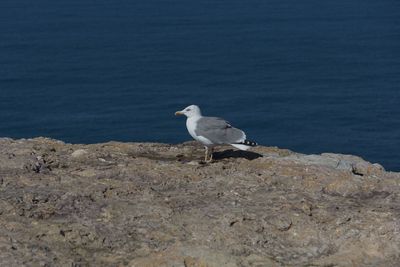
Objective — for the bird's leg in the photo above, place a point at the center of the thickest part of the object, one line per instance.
(211, 154)
(206, 154)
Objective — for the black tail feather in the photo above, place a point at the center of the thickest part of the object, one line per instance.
(247, 143)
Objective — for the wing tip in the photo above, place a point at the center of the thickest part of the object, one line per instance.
(249, 143)
(246, 143)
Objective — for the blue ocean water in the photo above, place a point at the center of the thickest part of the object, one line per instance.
(312, 76)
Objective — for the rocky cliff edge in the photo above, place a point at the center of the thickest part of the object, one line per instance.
(150, 204)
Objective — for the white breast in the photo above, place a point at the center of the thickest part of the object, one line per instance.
(191, 126)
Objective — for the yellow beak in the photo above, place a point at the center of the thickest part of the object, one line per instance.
(178, 113)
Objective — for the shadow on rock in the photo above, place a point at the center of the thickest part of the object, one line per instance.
(230, 153)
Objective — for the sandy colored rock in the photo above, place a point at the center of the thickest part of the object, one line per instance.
(149, 204)
(78, 153)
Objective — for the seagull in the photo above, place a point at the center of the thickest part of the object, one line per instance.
(213, 131)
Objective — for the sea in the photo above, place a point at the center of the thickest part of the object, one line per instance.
(311, 76)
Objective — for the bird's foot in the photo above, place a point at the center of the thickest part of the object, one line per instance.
(209, 155)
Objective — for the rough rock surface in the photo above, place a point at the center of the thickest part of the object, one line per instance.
(146, 204)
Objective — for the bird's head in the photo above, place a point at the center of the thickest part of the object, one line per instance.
(190, 111)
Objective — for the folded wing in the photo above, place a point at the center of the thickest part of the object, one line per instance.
(219, 131)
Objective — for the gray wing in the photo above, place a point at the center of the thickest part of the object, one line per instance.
(218, 131)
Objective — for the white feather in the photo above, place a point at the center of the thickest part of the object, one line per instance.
(241, 147)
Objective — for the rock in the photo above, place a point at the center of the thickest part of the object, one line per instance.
(78, 153)
(148, 204)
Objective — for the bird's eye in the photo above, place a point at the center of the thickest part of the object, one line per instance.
(188, 109)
